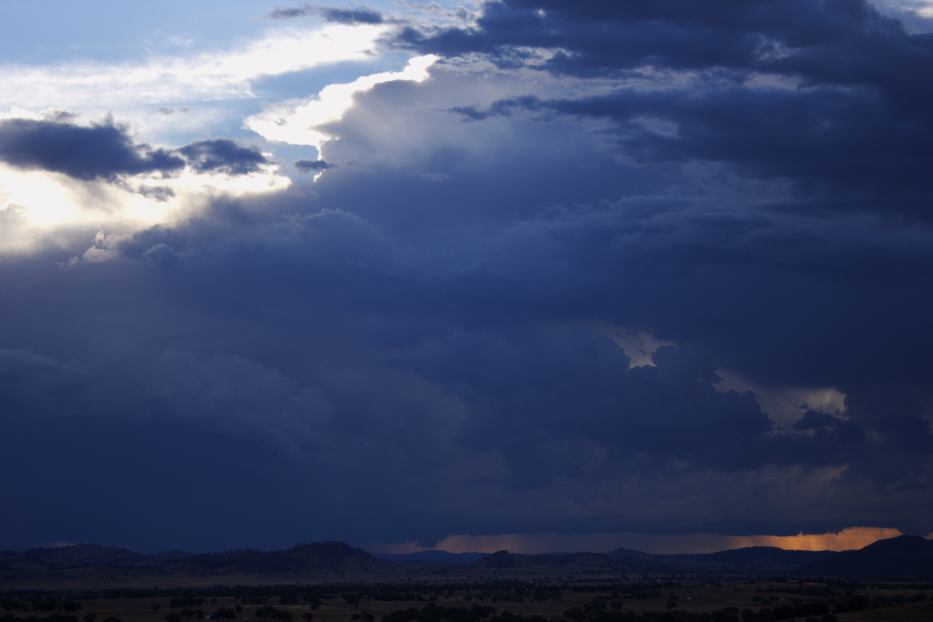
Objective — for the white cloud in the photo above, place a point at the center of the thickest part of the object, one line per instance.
(89, 87)
(38, 207)
(300, 122)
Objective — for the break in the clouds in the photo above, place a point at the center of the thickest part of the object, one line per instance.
(572, 269)
(208, 85)
(59, 176)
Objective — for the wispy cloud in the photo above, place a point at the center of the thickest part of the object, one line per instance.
(78, 85)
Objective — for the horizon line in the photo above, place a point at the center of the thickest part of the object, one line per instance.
(851, 538)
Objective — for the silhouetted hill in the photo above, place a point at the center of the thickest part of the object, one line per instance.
(761, 560)
(302, 558)
(903, 557)
(504, 559)
(617, 561)
(621, 560)
(627, 560)
(433, 557)
(316, 558)
(67, 556)
(757, 560)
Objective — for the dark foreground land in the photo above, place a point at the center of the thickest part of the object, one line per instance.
(334, 582)
(487, 601)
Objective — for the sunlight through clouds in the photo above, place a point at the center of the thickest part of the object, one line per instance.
(300, 123)
(78, 85)
(34, 205)
(41, 202)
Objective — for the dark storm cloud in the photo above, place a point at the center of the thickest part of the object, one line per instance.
(318, 408)
(102, 151)
(290, 13)
(159, 193)
(856, 149)
(850, 120)
(817, 39)
(106, 152)
(330, 350)
(309, 166)
(428, 336)
(352, 16)
(222, 155)
(339, 16)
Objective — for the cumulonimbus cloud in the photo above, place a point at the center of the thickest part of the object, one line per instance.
(427, 327)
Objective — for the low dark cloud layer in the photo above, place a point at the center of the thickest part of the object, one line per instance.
(853, 150)
(352, 16)
(823, 41)
(309, 166)
(224, 156)
(432, 334)
(331, 14)
(103, 151)
(106, 152)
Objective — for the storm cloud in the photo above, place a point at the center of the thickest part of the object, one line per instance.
(331, 14)
(826, 95)
(102, 151)
(222, 155)
(604, 283)
(106, 151)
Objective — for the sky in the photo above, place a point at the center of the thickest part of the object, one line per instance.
(471, 275)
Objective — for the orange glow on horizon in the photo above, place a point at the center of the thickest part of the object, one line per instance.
(849, 538)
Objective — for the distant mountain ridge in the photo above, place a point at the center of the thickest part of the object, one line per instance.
(301, 558)
(433, 556)
(904, 557)
(68, 556)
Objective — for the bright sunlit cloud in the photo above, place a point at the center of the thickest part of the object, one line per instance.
(300, 123)
(35, 204)
(39, 203)
(81, 85)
